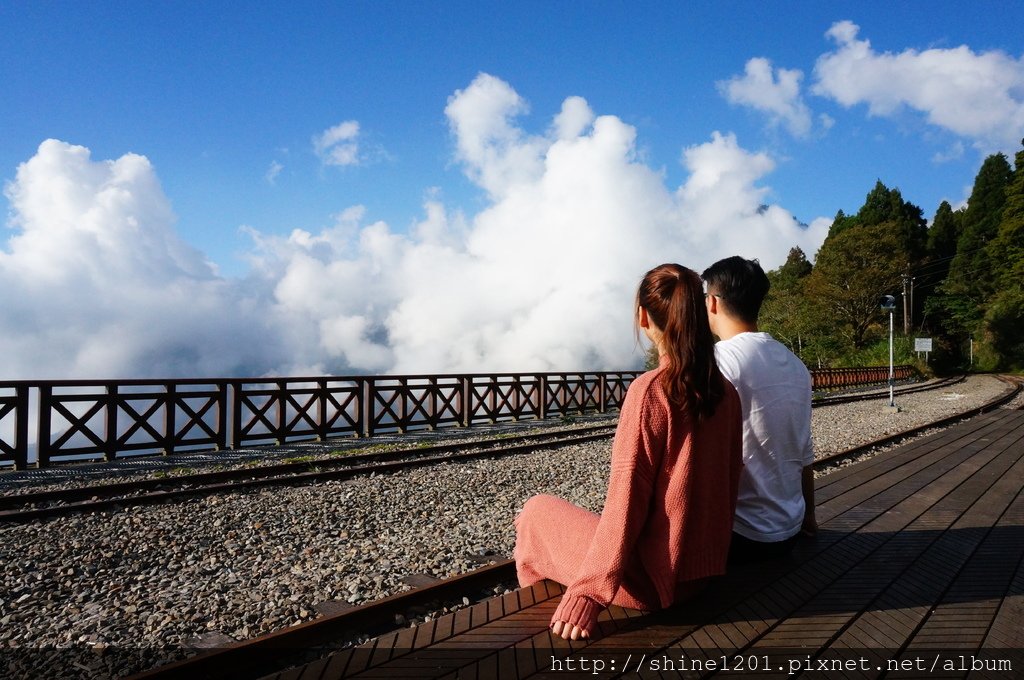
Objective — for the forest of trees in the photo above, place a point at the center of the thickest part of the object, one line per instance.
(957, 281)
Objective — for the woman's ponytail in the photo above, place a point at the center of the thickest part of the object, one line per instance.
(673, 297)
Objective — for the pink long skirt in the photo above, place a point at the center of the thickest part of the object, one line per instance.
(552, 540)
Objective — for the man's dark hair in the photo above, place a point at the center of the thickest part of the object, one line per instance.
(740, 286)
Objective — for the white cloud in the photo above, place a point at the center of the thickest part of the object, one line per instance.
(543, 278)
(979, 96)
(97, 283)
(272, 172)
(954, 152)
(338, 145)
(775, 92)
(497, 155)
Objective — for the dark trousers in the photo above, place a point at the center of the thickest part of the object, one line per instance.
(743, 550)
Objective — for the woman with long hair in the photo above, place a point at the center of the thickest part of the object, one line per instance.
(675, 466)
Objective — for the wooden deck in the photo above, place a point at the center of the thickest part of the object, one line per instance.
(916, 573)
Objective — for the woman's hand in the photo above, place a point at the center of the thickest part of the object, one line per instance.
(568, 631)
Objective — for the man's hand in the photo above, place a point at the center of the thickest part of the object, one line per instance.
(569, 632)
(809, 528)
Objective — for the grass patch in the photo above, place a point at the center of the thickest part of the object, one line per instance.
(173, 472)
(299, 459)
(375, 448)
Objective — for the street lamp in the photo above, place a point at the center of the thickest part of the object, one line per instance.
(889, 304)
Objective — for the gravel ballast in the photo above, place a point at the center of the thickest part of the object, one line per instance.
(137, 585)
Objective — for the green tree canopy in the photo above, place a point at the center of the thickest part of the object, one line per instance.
(793, 269)
(852, 271)
(786, 313)
(944, 233)
(883, 205)
(960, 305)
(1006, 251)
(1004, 316)
(968, 269)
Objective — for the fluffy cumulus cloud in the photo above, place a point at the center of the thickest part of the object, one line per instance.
(97, 283)
(978, 96)
(776, 92)
(338, 145)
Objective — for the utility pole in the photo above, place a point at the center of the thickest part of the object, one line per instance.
(889, 305)
(906, 317)
(911, 301)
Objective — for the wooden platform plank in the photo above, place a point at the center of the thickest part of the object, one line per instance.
(314, 670)
(361, 656)
(928, 576)
(510, 602)
(850, 477)
(337, 664)
(947, 467)
(424, 634)
(919, 548)
(462, 622)
(405, 638)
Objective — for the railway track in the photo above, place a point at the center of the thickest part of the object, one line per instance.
(53, 503)
(36, 505)
(868, 395)
(1015, 384)
(301, 643)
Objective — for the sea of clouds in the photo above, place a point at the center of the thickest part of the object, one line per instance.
(97, 283)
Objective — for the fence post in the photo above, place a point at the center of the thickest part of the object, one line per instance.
(282, 412)
(221, 426)
(43, 438)
(170, 405)
(321, 409)
(367, 406)
(237, 390)
(110, 434)
(542, 396)
(466, 400)
(432, 389)
(21, 427)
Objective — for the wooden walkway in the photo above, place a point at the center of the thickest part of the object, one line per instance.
(916, 573)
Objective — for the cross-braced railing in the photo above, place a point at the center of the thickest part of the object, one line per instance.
(102, 420)
(825, 378)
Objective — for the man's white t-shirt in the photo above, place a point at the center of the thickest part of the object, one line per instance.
(775, 393)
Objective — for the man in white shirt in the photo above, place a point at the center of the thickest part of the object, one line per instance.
(776, 495)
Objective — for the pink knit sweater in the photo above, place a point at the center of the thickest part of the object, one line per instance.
(670, 502)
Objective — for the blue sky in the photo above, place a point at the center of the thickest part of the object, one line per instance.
(225, 102)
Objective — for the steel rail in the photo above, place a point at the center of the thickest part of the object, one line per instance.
(227, 481)
(277, 650)
(340, 460)
(867, 396)
(889, 440)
